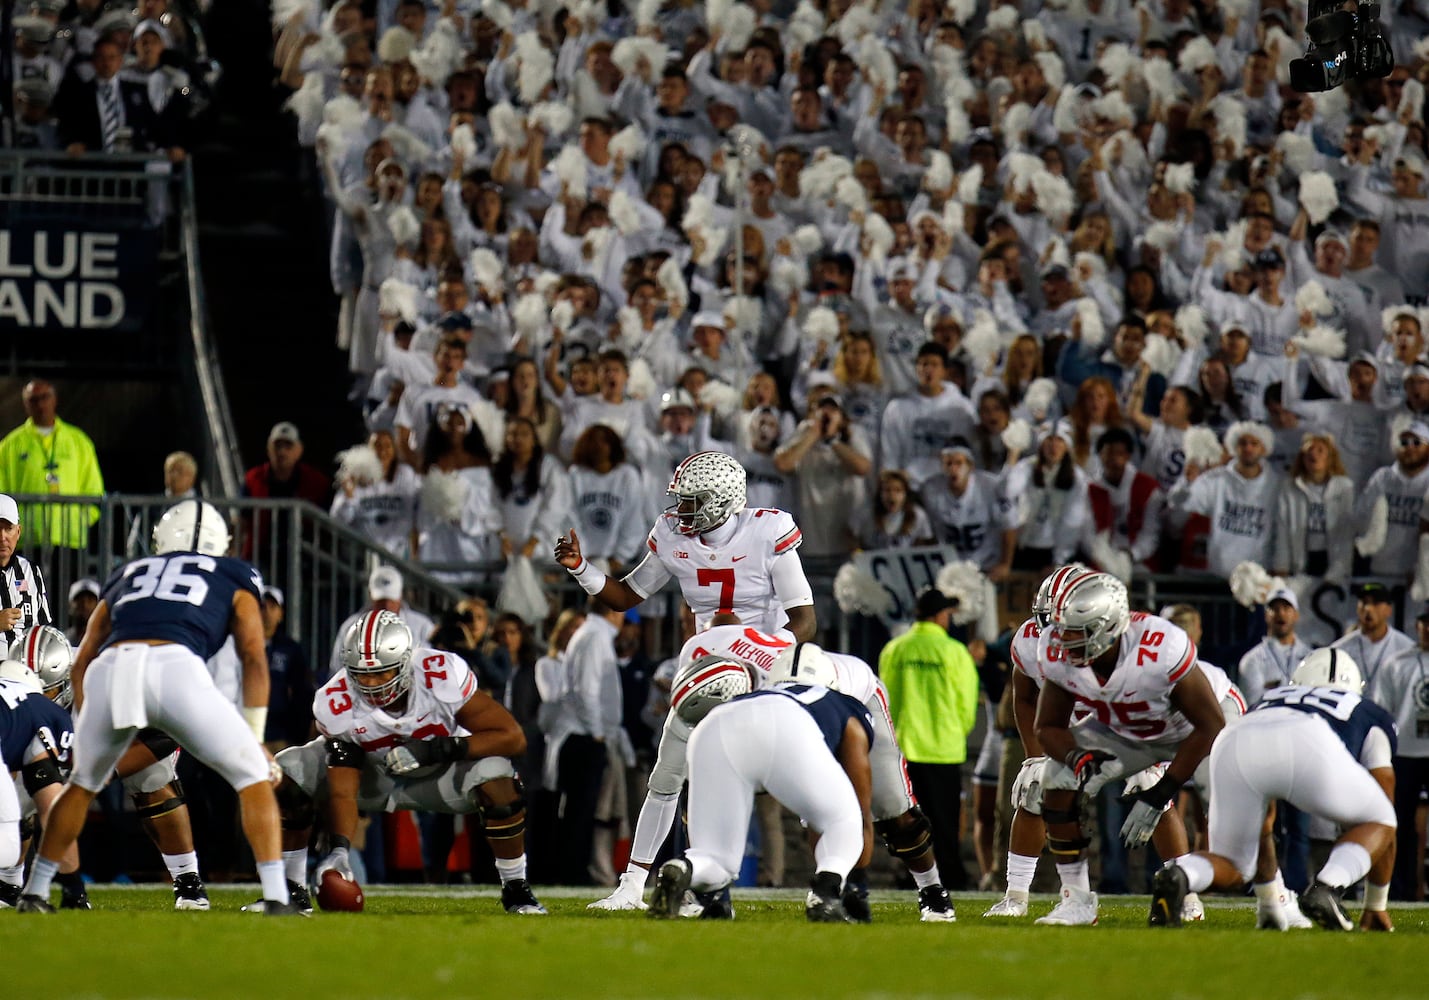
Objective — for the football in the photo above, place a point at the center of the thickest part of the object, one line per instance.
(337, 893)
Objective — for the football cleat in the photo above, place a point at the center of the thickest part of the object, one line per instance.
(33, 904)
(1168, 897)
(1078, 908)
(1321, 903)
(517, 897)
(1008, 906)
(715, 905)
(190, 894)
(1295, 919)
(1192, 908)
(75, 901)
(855, 900)
(934, 905)
(823, 904)
(298, 895)
(627, 895)
(273, 908)
(691, 907)
(670, 887)
(9, 895)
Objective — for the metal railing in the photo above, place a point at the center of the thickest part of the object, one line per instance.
(115, 188)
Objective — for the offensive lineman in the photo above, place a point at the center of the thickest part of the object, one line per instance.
(1321, 747)
(404, 727)
(701, 541)
(142, 662)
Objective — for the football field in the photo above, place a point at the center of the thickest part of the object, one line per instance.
(458, 943)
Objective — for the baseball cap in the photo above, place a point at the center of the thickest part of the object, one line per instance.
(149, 26)
(285, 430)
(385, 584)
(1269, 258)
(932, 601)
(9, 510)
(1235, 326)
(455, 320)
(1419, 429)
(1417, 370)
(1376, 592)
(1366, 358)
(1055, 271)
(1284, 594)
(1411, 163)
(271, 593)
(708, 317)
(1332, 236)
(85, 586)
(675, 399)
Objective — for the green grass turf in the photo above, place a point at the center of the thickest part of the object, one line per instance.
(429, 945)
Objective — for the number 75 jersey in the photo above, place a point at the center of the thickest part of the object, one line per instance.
(441, 684)
(736, 575)
(1135, 701)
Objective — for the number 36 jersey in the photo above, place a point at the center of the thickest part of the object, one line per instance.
(182, 597)
(1135, 701)
(441, 684)
(730, 569)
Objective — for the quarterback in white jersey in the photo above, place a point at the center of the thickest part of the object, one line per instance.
(728, 559)
(405, 727)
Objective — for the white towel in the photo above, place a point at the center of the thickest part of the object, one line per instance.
(126, 686)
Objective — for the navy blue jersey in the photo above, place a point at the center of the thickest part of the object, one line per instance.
(182, 597)
(23, 715)
(1349, 715)
(830, 709)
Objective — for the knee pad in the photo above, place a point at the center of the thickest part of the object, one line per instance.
(906, 841)
(158, 743)
(146, 810)
(295, 806)
(1027, 786)
(1056, 817)
(504, 822)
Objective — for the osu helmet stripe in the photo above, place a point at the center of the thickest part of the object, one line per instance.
(715, 483)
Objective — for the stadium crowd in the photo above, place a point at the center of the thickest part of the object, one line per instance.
(1036, 282)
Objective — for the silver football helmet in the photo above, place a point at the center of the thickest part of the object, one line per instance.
(377, 643)
(46, 653)
(1050, 587)
(1095, 607)
(706, 683)
(1329, 668)
(192, 526)
(804, 663)
(713, 484)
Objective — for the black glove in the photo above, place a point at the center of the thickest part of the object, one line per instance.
(1086, 764)
(410, 757)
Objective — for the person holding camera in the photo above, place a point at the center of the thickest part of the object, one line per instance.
(830, 458)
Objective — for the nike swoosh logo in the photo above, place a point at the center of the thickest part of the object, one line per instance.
(738, 558)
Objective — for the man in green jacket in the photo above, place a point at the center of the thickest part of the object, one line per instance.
(47, 455)
(932, 696)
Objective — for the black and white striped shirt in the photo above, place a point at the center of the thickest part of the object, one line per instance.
(22, 586)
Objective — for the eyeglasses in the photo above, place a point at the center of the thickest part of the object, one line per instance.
(1409, 441)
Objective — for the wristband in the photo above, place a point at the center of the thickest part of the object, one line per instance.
(337, 842)
(592, 580)
(1162, 792)
(452, 748)
(257, 718)
(1376, 897)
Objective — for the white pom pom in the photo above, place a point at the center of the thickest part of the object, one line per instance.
(1298, 152)
(822, 323)
(672, 280)
(529, 314)
(725, 399)
(957, 125)
(961, 11)
(1318, 195)
(1113, 107)
(879, 235)
(1003, 19)
(1411, 101)
(1191, 324)
(307, 102)
(981, 341)
(1109, 558)
(1322, 341)
(623, 212)
(969, 185)
(1067, 112)
(1021, 168)
(939, 175)
(1162, 235)
(444, 494)
(630, 50)
(641, 383)
(629, 142)
(563, 314)
(498, 13)
(508, 130)
(877, 63)
(1232, 256)
(545, 283)
(1196, 55)
(1377, 531)
(1203, 447)
(1038, 398)
(737, 28)
(1089, 318)
(570, 169)
(403, 226)
(631, 326)
(536, 68)
(464, 143)
(963, 583)
(595, 243)
(1230, 121)
(699, 213)
(1017, 436)
(1034, 34)
(817, 180)
(953, 217)
(1015, 122)
(554, 117)
(859, 20)
(408, 147)
(1117, 62)
(397, 298)
(1161, 82)
(788, 275)
(714, 241)
(1313, 298)
(1161, 354)
(647, 13)
(744, 312)
(487, 270)
(807, 240)
(284, 11)
(1250, 584)
(858, 593)
(359, 465)
(852, 194)
(1055, 199)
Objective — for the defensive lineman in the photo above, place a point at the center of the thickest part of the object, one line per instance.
(726, 557)
(142, 663)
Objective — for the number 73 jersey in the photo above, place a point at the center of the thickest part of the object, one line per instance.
(441, 684)
(1135, 701)
(734, 575)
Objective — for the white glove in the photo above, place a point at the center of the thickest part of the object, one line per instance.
(1110, 771)
(335, 862)
(400, 760)
(1140, 823)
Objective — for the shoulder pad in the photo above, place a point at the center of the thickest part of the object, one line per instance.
(778, 526)
(445, 675)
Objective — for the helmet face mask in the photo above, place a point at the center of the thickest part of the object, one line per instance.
(705, 684)
(708, 488)
(377, 655)
(1049, 588)
(1089, 617)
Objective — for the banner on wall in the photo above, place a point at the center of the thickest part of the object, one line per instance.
(78, 277)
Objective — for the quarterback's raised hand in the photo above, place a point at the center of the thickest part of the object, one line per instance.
(568, 550)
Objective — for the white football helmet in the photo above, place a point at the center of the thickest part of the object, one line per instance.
(1096, 606)
(376, 643)
(1050, 587)
(192, 526)
(804, 663)
(707, 683)
(18, 673)
(46, 653)
(1329, 668)
(714, 483)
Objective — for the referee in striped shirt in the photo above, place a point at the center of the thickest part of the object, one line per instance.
(23, 604)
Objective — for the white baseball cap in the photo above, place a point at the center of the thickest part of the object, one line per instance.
(85, 586)
(1284, 594)
(9, 510)
(385, 584)
(274, 594)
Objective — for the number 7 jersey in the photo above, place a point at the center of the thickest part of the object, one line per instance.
(441, 684)
(1135, 701)
(735, 574)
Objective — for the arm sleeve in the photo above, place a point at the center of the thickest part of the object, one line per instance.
(791, 586)
(648, 576)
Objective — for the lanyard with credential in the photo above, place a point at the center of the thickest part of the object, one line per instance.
(52, 476)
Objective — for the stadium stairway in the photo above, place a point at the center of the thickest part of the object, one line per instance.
(263, 244)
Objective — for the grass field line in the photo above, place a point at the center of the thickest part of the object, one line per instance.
(751, 895)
